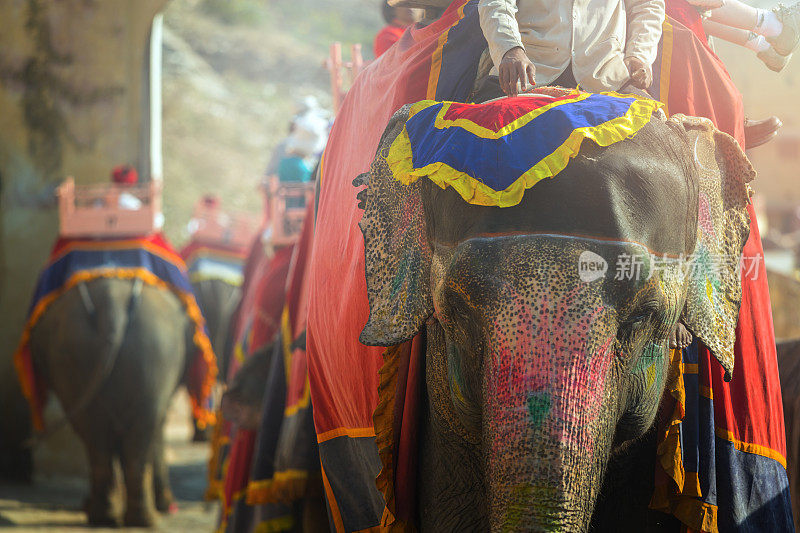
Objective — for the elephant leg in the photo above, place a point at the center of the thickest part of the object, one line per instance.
(99, 506)
(137, 467)
(92, 427)
(163, 494)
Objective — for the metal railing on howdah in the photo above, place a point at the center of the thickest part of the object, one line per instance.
(336, 66)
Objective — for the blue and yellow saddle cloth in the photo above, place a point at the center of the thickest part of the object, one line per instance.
(492, 153)
(150, 259)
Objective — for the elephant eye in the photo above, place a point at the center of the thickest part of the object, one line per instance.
(649, 310)
(644, 316)
(639, 317)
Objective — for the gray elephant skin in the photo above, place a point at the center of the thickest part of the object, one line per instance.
(114, 365)
(218, 300)
(542, 388)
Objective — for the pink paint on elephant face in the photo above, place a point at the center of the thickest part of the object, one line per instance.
(548, 370)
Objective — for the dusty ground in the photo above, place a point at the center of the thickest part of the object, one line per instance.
(54, 504)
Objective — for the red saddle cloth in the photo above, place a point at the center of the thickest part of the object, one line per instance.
(256, 322)
(436, 62)
(724, 468)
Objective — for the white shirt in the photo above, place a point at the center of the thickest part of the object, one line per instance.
(594, 36)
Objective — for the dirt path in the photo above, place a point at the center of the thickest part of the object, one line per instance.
(55, 504)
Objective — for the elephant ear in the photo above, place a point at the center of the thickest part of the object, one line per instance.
(714, 272)
(397, 255)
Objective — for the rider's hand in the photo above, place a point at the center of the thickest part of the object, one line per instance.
(640, 76)
(516, 67)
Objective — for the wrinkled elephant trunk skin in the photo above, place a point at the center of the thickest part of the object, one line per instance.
(544, 432)
(548, 378)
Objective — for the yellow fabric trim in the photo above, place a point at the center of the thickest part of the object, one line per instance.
(200, 339)
(302, 403)
(225, 506)
(383, 422)
(666, 64)
(702, 515)
(353, 433)
(284, 487)
(436, 66)
(218, 440)
(690, 368)
(203, 251)
(238, 353)
(476, 192)
(747, 447)
(680, 498)
(691, 485)
(706, 392)
(275, 525)
(669, 448)
(197, 277)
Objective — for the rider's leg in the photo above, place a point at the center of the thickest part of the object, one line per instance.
(748, 39)
(739, 15)
(781, 26)
(752, 40)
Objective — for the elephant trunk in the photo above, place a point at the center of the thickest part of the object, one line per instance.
(547, 421)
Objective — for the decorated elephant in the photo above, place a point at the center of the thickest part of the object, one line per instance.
(113, 329)
(114, 365)
(218, 300)
(216, 272)
(545, 314)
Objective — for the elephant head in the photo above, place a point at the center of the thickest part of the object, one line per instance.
(547, 322)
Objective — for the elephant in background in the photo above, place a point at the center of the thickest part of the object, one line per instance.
(241, 402)
(217, 300)
(114, 351)
(542, 385)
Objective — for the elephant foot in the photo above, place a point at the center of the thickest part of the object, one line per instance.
(165, 502)
(140, 518)
(100, 514)
(96, 519)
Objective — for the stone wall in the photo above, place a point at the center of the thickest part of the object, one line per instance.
(74, 100)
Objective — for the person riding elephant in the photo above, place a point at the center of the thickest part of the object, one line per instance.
(534, 374)
(526, 46)
(602, 45)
